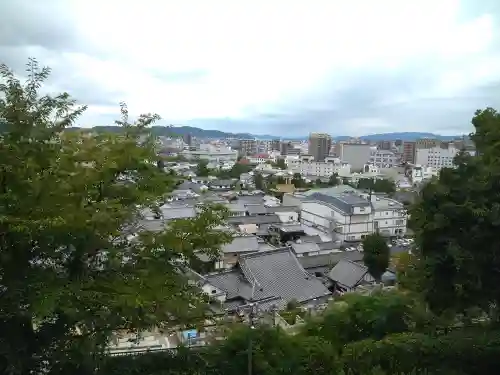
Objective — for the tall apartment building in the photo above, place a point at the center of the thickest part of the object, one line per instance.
(248, 147)
(355, 154)
(409, 152)
(188, 139)
(319, 145)
(384, 145)
(275, 145)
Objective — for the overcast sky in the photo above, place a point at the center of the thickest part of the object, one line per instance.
(276, 67)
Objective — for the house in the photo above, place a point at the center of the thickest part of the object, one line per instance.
(236, 209)
(192, 186)
(347, 276)
(259, 220)
(256, 209)
(222, 185)
(238, 246)
(269, 278)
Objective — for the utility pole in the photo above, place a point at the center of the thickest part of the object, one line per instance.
(252, 309)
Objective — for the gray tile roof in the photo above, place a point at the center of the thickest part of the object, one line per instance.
(347, 273)
(251, 199)
(172, 212)
(278, 273)
(301, 248)
(330, 259)
(261, 219)
(222, 183)
(271, 278)
(274, 209)
(235, 207)
(258, 209)
(242, 244)
(315, 239)
(344, 202)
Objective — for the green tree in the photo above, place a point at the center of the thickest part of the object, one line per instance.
(297, 180)
(70, 271)
(333, 180)
(357, 317)
(280, 164)
(202, 169)
(376, 255)
(377, 185)
(259, 182)
(456, 221)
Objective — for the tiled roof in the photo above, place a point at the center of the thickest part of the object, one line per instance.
(274, 277)
(256, 209)
(347, 273)
(308, 247)
(261, 219)
(242, 244)
(278, 273)
(308, 239)
(344, 202)
(274, 209)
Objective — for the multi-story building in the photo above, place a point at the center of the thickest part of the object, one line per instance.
(248, 146)
(438, 157)
(384, 159)
(384, 145)
(312, 168)
(427, 143)
(188, 139)
(352, 215)
(355, 154)
(216, 155)
(319, 145)
(288, 148)
(409, 152)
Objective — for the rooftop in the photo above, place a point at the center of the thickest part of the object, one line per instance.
(275, 274)
(242, 244)
(347, 273)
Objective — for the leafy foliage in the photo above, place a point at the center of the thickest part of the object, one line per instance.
(259, 182)
(71, 273)
(280, 164)
(377, 185)
(376, 255)
(202, 169)
(333, 180)
(456, 222)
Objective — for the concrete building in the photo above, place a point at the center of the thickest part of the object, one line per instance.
(318, 169)
(319, 145)
(355, 154)
(437, 157)
(421, 173)
(348, 214)
(188, 139)
(212, 154)
(409, 152)
(384, 159)
(248, 147)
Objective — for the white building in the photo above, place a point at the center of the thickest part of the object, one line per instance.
(384, 159)
(421, 173)
(262, 158)
(318, 169)
(349, 214)
(437, 157)
(212, 154)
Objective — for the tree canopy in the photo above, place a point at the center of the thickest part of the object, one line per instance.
(376, 254)
(377, 185)
(456, 221)
(74, 264)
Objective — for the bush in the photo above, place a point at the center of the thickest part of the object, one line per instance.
(467, 352)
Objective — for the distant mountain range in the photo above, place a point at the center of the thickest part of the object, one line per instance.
(217, 134)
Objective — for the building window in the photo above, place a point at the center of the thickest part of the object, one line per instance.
(399, 222)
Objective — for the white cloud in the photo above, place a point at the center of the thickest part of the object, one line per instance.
(263, 56)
